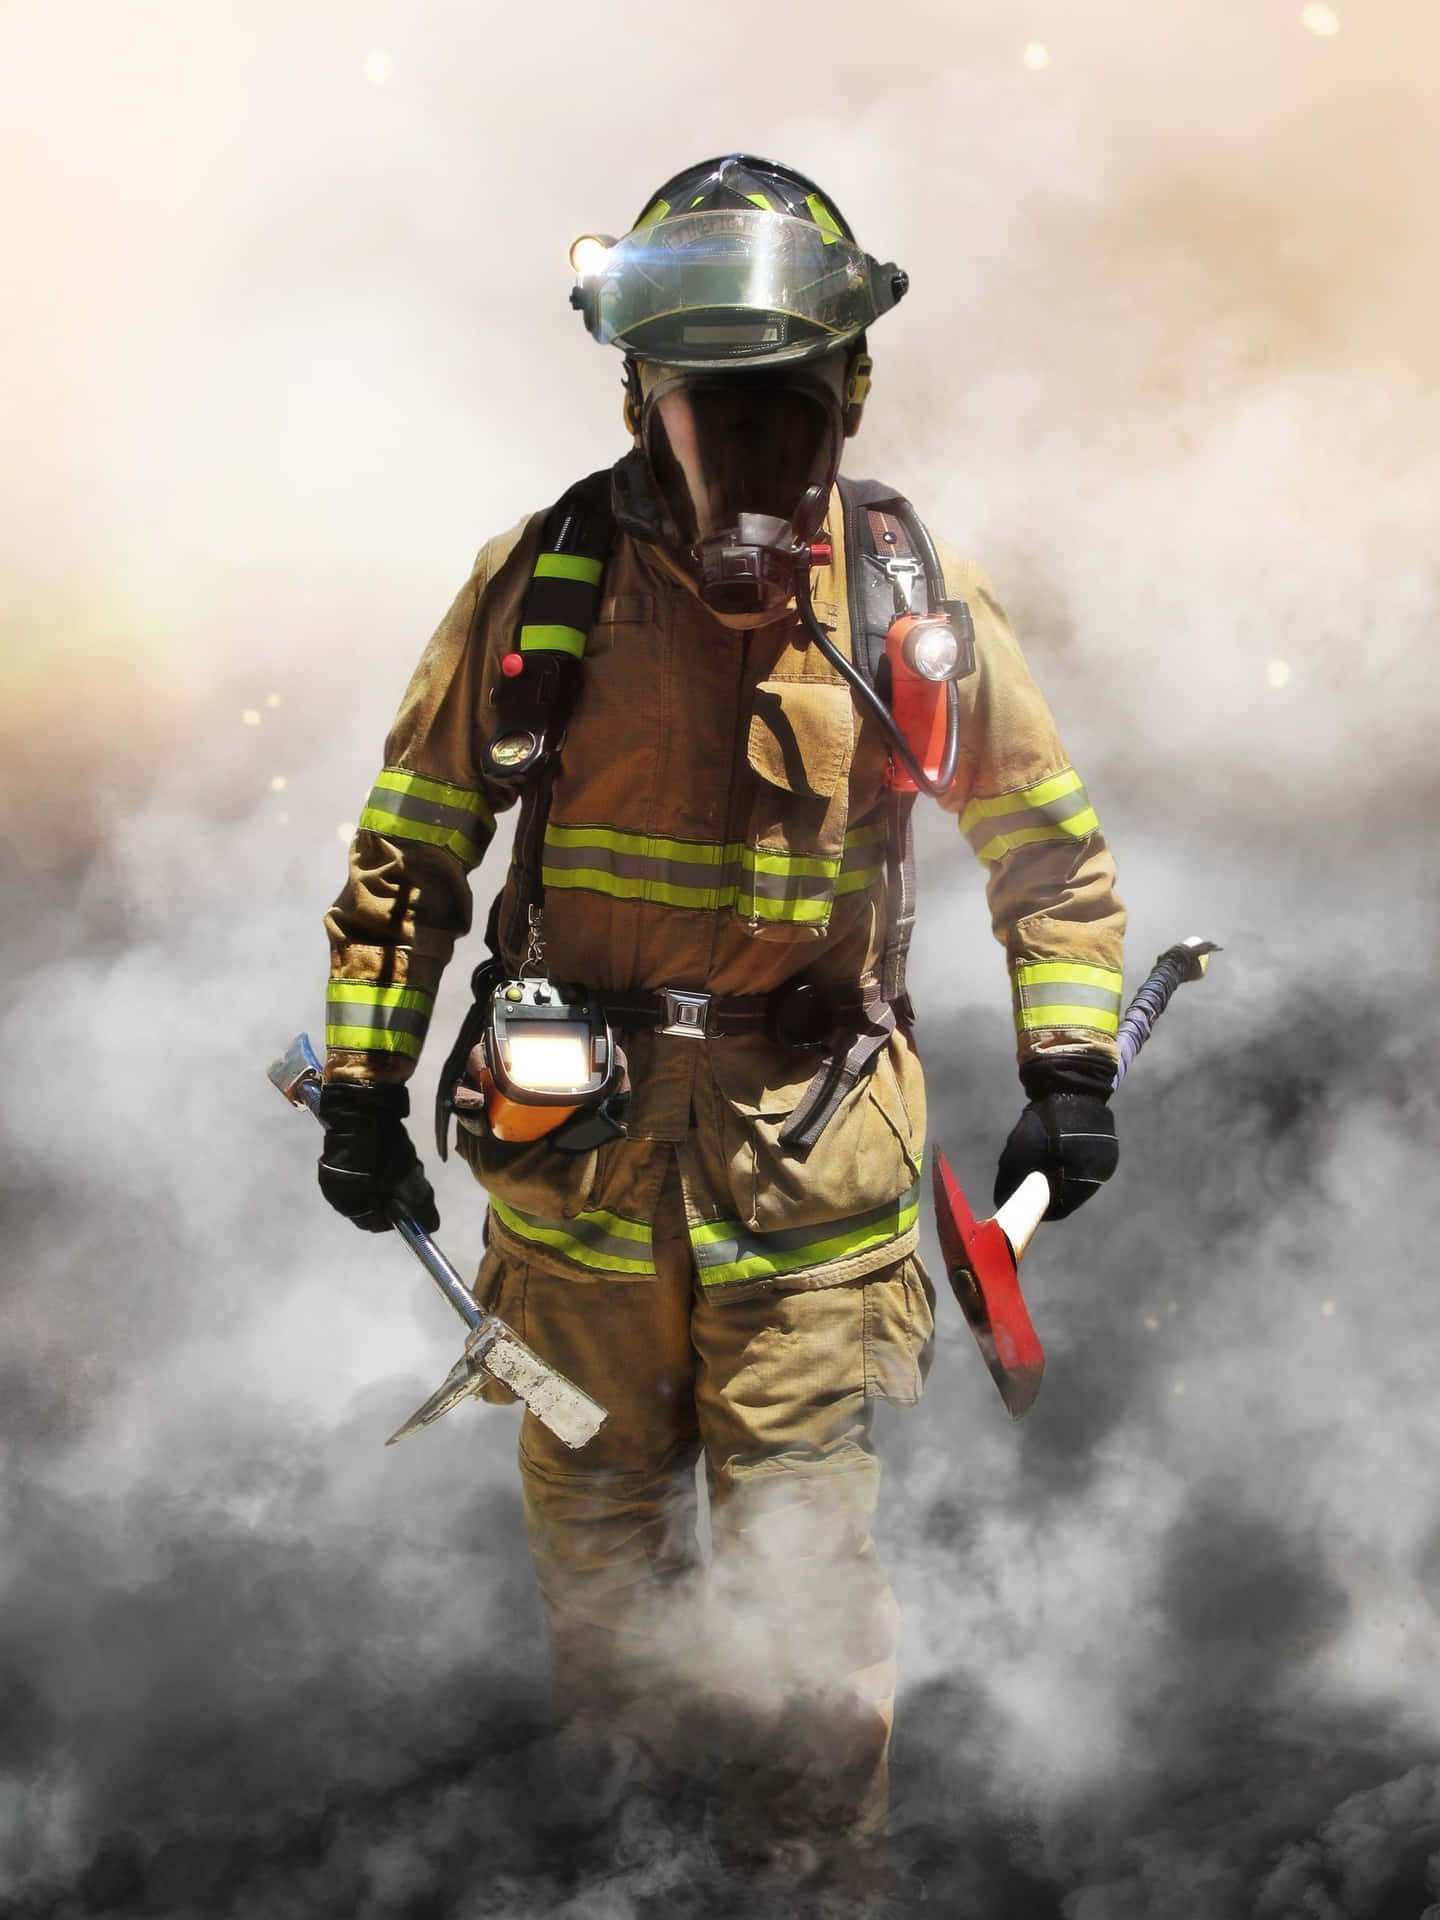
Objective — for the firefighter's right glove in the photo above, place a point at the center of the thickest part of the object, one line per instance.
(367, 1162)
(1066, 1132)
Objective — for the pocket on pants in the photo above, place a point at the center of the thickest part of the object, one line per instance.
(500, 1289)
(899, 1332)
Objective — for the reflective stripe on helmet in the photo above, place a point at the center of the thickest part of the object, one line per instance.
(708, 876)
(371, 1019)
(824, 219)
(1053, 809)
(727, 1253)
(1065, 993)
(408, 806)
(606, 1242)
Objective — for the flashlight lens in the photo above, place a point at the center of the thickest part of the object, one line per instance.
(554, 1058)
(933, 651)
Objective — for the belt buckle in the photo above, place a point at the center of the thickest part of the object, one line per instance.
(685, 1013)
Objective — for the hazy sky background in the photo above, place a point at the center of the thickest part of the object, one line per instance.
(286, 338)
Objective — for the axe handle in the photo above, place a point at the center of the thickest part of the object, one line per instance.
(1177, 964)
(1023, 1212)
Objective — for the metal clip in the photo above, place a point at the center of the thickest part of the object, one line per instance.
(685, 1013)
(903, 570)
(534, 961)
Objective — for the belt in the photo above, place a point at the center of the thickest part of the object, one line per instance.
(799, 1014)
(852, 1026)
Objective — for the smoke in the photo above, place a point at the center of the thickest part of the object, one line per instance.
(287, 341)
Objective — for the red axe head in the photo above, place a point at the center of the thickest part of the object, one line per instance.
(982, 1269)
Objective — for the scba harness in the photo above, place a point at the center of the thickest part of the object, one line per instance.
(898, 610)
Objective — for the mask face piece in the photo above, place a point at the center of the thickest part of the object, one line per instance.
(735, 458)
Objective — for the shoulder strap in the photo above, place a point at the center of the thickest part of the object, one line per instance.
(884, 535)
(559, 609)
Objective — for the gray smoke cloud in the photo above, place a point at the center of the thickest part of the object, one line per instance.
(287, 340)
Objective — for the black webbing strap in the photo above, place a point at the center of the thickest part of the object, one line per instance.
(861, 1043)
(556, 615)
(899, 898)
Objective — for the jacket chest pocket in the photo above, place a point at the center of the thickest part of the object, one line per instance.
(800, 745)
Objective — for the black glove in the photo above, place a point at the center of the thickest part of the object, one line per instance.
(367, 1160)
(1067, 1132)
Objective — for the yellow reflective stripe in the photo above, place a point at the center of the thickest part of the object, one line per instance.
(553, 639)
(1027, 1019)
(419, 786)
(468, 852)
(767, 860)
(410, 806)
(802, 912)
(857, 880)
(759, 200)
(824, 219)
(653, 213)
(1066, 993)
(763, 884)
(662, 893)
(1056, 808)
(360, 993)
(1004, 843)
(1041, 973)
(620, 886)
(727, 1253)
(373, 1019)
(373, 1040)
(1040, 795)
(695, 852)
(569, 566)
(605, 1242)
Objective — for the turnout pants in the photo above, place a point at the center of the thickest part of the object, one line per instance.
(769, 1684)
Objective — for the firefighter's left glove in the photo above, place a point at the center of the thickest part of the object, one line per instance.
(1067, 1132)
(367, 1163)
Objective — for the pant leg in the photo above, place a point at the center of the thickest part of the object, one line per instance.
(612, 1526)
(802, 1618)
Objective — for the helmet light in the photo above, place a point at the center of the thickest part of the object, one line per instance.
(589, 253)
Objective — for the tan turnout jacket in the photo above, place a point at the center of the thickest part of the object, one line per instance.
(717, 825)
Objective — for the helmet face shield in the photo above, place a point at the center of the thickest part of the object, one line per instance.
(728, 446)
(728, 286)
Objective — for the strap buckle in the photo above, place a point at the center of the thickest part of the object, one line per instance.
(685, 1013)
(904, 571)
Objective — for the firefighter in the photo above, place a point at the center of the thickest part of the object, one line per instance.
(679, 674)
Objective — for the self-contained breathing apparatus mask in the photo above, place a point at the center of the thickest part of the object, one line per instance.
(740, 466)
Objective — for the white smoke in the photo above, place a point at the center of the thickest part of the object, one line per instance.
(288, 340)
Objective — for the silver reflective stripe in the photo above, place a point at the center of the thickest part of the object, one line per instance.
(607, 1242)
(411, 806)
(709, 876)
(359, 1016)
(1066, 993)
(726, 1253)
(1060, 993)
(1057, 808)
